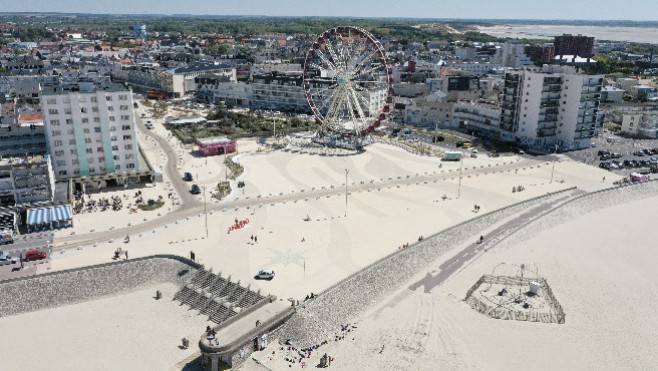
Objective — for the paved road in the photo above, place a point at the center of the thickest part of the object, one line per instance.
(253, 202)
(171, 169)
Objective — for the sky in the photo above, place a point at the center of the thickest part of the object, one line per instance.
(500, 9)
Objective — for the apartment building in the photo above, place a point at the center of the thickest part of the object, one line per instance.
(432, 110)
(280, 92)
(640, 125)
(90, 130)
(215, 89)
(480, 117)
(554, 105)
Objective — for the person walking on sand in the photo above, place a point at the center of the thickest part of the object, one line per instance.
(256, 239)
(126, 254)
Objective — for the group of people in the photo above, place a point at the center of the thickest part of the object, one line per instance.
(404, 246)
(476, 208)
(254, 239)
(312, 296)
(517, 189)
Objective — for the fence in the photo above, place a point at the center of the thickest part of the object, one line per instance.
(556, 314)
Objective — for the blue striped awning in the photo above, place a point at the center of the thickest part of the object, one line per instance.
(48, 215)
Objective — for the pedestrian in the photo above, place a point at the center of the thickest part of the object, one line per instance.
(603, 179)
(126, 254)
(303, 239)
(252, 238)
(256, 239)
(236, 221)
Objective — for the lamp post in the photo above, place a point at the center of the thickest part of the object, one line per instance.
(459, 187)
(205, 209)
(553, 169)
(346, 192)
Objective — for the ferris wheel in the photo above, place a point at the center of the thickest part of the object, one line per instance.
(347, 83)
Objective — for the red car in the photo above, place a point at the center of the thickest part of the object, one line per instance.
(33, 255)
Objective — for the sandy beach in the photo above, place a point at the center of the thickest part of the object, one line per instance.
(632, 34)
(599, 269)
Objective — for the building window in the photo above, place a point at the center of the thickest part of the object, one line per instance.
(59, 153)
(71, 142)
(118, 167)
(127, 137)
(75, 162)
(83, 110)
(115, 148)
(87, 140)
(85, 120)
(90, 159)
(54, 122)
(85, 130)
(97, 130)
(56, 133)
(58, 143)
(110, 108)
(108, 98)
(67, 111)
(123, 107)
(99, 150)
(130, 166)
(61, 163)
(62, 172)
(123, 97)
(128, 147)
(89, 151)
(125, 127)
(113, 128)
(94, 109)
(74, 152)
(97, 119)
(69, 121)
(125, 117)
(101, 160)
(51, 101)
(111, 118)
(113, 138)
(94, 99)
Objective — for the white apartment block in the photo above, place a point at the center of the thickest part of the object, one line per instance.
(554, 105)
(90, 129)
(512, 54)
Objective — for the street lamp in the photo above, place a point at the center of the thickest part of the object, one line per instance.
(459, 187)
(553, 169)
(346, 192)
(205, 209)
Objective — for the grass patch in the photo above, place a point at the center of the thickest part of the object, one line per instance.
(155, 205)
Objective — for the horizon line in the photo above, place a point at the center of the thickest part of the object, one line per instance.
(332, 16)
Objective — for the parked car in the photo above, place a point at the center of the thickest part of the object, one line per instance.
(7, 259)
(188, 177)
(149, 126)
(604, 165)
(195, 189)
(265, 274)
(32, 255)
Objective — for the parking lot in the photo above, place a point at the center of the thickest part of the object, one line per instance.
(619, 154)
